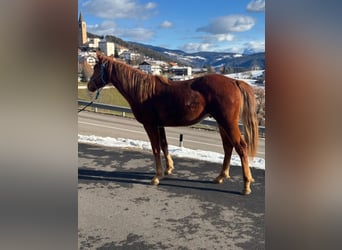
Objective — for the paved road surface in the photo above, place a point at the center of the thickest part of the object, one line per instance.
(119, 209)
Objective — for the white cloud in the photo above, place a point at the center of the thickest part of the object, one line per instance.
(166, 25)
(256, 5)
(216, 43)
(195, 47)
(150, 6)
(227, 24)
(105, 28)
(223, 37)
(219, 38)
(114, 9)
(243, 47)
(110, 28)
(256, 46)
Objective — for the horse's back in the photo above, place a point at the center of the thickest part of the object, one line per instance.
(215, 85)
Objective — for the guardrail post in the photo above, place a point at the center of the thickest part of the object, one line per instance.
(181, 140)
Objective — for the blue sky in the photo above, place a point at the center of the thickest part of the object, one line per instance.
(189, 25)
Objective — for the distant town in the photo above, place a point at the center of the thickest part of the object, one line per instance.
(87, 47)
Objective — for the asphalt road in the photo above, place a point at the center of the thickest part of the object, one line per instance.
(119, 209)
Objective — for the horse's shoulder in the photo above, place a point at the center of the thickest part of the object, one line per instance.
(163, 79)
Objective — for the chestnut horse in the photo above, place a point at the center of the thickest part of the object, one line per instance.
(157, 102)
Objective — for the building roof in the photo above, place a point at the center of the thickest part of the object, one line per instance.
(80, 19)
(151, 63)
(145, 63)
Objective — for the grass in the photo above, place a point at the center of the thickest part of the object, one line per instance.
(110, 96)
(82, 83)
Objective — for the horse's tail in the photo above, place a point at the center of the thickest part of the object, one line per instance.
(249, 117)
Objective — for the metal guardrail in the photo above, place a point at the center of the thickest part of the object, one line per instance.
(124, 110)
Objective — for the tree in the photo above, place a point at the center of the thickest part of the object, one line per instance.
(116, 54)
(211, 69)
(86, 71)
(260, 105)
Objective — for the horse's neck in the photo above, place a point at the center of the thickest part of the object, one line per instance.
(126, 80)
(119, 80)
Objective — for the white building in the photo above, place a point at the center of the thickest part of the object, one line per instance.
(129, 55)
(93, 42)
(150, 67)
(181, 71)
(88, 57)
(108, 48)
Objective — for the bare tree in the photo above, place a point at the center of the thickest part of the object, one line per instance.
(86, 71)
(260, 103)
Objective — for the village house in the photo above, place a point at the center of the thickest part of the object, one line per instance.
(93, 42)
(108, 48)
(151, 68)
(130, 56)
(181, 73)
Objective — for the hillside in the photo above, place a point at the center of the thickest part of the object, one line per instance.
(216, 59)
(198, 59)
(137, 48)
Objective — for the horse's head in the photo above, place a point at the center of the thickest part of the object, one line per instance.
(99, 77)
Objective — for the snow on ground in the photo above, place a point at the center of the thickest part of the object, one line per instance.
(174, 150)
(247, 76)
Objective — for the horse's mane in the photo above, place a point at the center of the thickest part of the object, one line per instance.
(137, 84)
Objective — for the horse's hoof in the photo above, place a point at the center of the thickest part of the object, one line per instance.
(246, 192)
(218, 180)
(155, 181)
(168, 171)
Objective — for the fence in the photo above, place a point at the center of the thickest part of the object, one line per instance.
(125, 110)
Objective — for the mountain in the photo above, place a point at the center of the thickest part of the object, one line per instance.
(196, 60)
(216, 59)
(144, 50)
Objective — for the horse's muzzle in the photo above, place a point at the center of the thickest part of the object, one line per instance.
(91, 86)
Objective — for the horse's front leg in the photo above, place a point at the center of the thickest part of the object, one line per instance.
(164, 147)
(153, 134)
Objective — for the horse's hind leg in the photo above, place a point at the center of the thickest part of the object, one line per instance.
(153, 134)
(228, 148)
(241, 148)
(164, 147)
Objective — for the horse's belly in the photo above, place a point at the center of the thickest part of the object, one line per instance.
(183, 119)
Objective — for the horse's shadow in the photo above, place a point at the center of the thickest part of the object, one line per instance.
(144, 178)
(100, 157)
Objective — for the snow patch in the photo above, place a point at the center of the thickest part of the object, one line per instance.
(209, 156)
